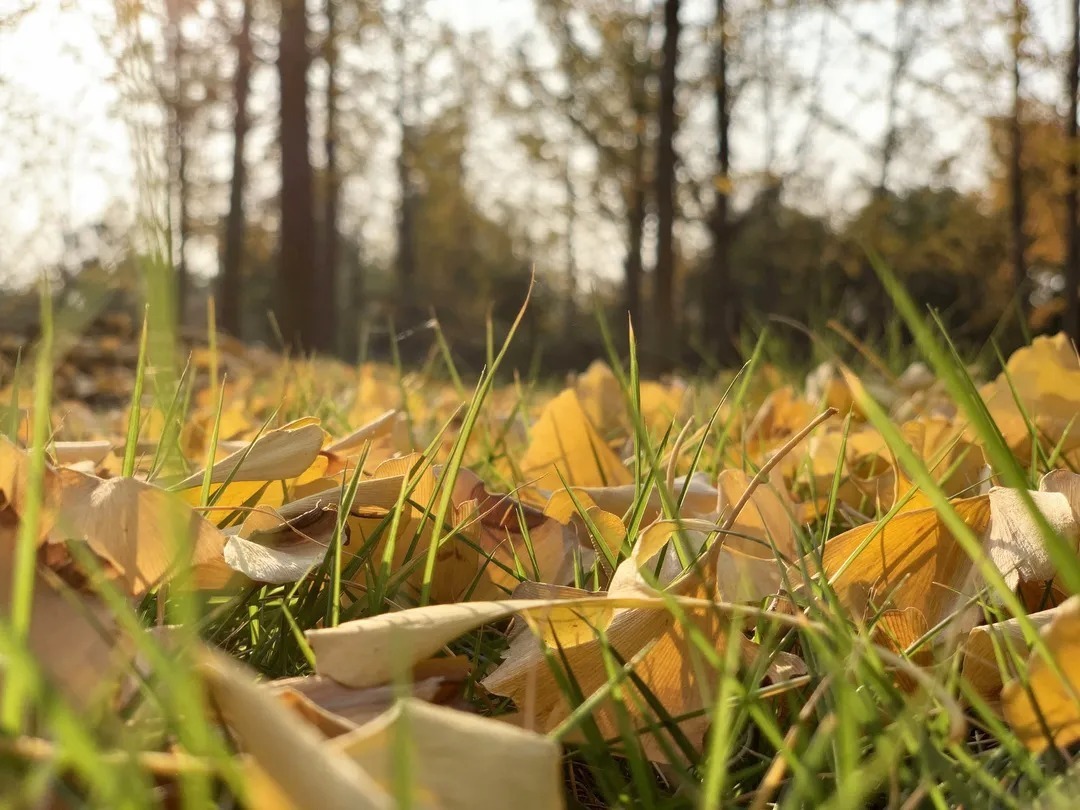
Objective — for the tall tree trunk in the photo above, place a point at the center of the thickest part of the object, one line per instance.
(634, 266)
(230, 282)
(569, 304)
(1016, 179)
(178, 114)
(718, 291)
(1072, 167)
(905, 43)
(297, 311)
(406, 247)
(636, 201)
(665, 327)
(327, 280)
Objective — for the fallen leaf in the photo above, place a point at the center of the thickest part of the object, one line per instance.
(282, 546)
(914, 561)
(144, 533)
(1055, 702)
(72, 636)
(564, 442)
(980, 666)
(286, 452)
(287, 749)
(458, 761)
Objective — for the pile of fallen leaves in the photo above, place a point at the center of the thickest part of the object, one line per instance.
(473, 588)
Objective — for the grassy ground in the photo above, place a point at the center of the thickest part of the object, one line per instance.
(863, 722)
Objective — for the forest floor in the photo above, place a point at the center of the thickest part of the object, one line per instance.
(248, 580)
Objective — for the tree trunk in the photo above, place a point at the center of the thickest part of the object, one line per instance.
(905, 42)
(570, 304)
(634, 267)
(636, 201)
(1016, 181)
(718, 290)
(230, 282)
(1072, 167)
(178, 114)
(665, 327)
(327, 280)
(406, 247)
(297, 311)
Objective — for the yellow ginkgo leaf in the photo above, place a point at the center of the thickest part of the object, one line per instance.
(143, 533)
(459, 761)
(990, 647)
(1044, 380)
(1056, 707)
(286, 452)
(766, 521)
(287, 749)
(914, 561)
(564, 442)
(72, 636)
(601, 397)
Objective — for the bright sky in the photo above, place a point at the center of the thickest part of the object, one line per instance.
(68, 157)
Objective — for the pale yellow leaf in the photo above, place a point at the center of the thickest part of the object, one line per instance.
(458, 761)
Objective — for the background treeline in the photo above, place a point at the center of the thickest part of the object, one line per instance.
(339, 172)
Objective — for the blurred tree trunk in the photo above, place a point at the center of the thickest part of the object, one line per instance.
(298, 308)
(1016, 180)
(906, 39)
(634, 267)
(1072, 168)
(718, 290)
(230, 281)
(406, 247)
(569, 304)
(327, 280)
(636, 203)
(665, 327)
(178, 125)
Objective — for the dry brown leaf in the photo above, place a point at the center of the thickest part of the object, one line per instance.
(328, 723)
(1015, 543)
(145, 533)
(380, 426)
(699, 499)
(397, 641)
(354, 770)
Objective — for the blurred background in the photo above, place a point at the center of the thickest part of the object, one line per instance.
(339, 175)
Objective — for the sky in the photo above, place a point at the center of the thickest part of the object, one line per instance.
(68, 158)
